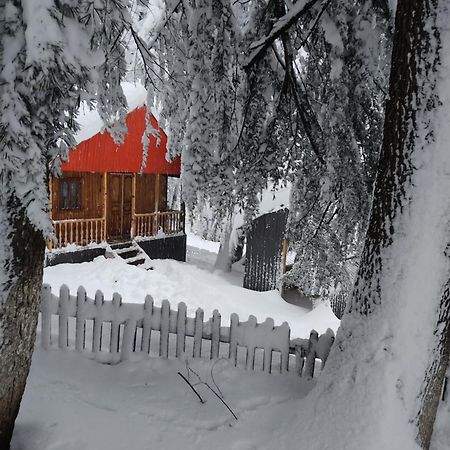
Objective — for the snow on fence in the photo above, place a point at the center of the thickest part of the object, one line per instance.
(112, 331)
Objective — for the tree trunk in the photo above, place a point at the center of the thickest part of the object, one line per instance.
(21, 276)
(383, 379)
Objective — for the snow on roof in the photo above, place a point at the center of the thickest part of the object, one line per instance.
(90, 121)
(271, 199)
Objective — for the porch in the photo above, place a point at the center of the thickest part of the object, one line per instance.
(89, 208)
(87, 231)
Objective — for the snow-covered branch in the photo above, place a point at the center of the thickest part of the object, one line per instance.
(259, 47)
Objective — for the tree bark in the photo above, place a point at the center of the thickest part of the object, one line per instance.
(383, 380)
(21, 274)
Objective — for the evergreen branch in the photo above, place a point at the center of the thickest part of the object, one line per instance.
(279, 28)
(140, 46)
(314, 25)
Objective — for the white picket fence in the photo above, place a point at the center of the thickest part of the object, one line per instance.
(111, 331)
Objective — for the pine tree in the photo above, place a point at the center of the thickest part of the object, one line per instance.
(392, 351)
(54, 55)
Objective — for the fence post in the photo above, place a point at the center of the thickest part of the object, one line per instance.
(80, 320)
(250, 359)
(215, 334)
(63, 311)
(164, 330)
(98, 321)
(267, 362)
(128, 339)
(198, 333)
(181, 329)
(115, 323)
(326, 342)
(147, 324)
(46, 316)
(299, 359)
(310, 361)
(234, 324)
(285, 351)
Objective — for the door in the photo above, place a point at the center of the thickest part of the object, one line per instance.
(119, 205)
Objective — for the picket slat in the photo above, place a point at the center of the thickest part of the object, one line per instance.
(63, 318)
(98, 320)
(198, 333)
(147, 324)
(215, 334)
(80, 324)
(115, 323)
(164, 330)
(46, 317)
(181, 329)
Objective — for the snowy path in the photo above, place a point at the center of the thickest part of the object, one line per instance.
(73, 403)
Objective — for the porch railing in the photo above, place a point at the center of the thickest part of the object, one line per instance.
(169, 222)
(79, 231)
(86, 231)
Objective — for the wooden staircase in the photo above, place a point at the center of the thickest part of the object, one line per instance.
(130, 252)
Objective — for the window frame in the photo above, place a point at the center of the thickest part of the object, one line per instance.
(69, 181)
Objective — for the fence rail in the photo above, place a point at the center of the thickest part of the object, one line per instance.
(79, 231)
(170, 222)
(119, 329)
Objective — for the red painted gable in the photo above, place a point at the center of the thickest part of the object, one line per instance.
(100, 154)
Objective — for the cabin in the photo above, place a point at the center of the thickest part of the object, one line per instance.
(108, 196)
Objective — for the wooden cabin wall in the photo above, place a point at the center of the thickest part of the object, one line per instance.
(146, 192)
(163, 192)
(91, 196)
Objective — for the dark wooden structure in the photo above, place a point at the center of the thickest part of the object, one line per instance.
(263, 262)
(107, 193)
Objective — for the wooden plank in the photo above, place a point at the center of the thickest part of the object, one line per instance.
(133, 207)
(215, 334)
(198, 333)
(128, 339)
(251, 328)
(115, 323)
(80, 325)
(63, 319)
(181, 329)
(234, 324)
(98, 321)
(267, 362)
(46, 317)
(105, 203)
(310, 360)
(164, 330)
(147, 324)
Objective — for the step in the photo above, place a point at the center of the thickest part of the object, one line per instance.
(131, 253)
(120, 245)
(136, 262)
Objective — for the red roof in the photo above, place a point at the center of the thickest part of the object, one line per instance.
(100, 154)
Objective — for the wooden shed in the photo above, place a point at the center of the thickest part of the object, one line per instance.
(106, 193)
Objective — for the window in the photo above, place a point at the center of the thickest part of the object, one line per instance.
(69, 193)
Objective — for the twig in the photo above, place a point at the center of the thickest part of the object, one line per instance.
(192, 387)
(220, 398)
(212, 376)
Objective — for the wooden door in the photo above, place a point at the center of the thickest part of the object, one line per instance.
(119, 205)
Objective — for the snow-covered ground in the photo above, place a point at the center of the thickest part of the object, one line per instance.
(194, 283)
(72, 402)
(75, 403)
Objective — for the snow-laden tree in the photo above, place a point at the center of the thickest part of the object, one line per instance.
(341, 72)
(54, 55)
(383, 380)
(299, 89)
